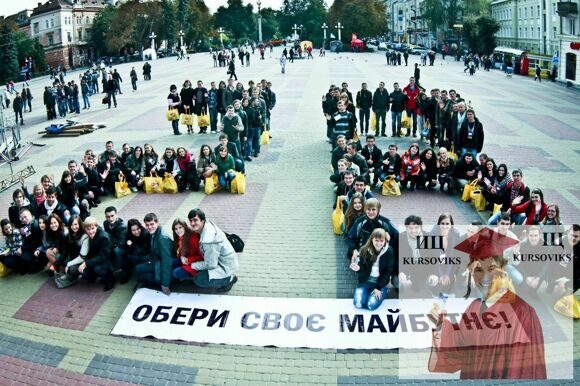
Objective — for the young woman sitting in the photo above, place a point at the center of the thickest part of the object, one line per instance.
(375, 266)
(187, 170)
(54, 242)
(533, 211)
(206, 162)
(355, 210)
(410, 167)
(138, 243)
(225, 167)
(494, 192)
(445, 167)
(428, 170)
(77, 244)
(12, 250)
(186, 243)
(135, 167)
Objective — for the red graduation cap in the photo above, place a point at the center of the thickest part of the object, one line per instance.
(486, 243)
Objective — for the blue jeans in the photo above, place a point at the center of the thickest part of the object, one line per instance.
(226, 178)
(364, 297)
(471, 150)
(515, 218)
(364, 115)
(253, 133)
(257, 141)
(396, 122)
(86, 102)
(76, 105)
(202, 280)
(213, 113)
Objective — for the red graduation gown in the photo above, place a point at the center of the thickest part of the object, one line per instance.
(510, 345)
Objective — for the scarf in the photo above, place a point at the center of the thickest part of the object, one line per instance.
(444, 164)
(50, 208)
(185, 161)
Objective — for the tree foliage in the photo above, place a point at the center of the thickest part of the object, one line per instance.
(311, 14)
(270, 24)
(9, 69)
(479, 33)
(362, 17)
(27, 47)
(237, 19)
(100, 29)
(441, 14)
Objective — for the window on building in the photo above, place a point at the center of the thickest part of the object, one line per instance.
(51, 23)
(555, 32)
(521, 32)
(69, 36)
(87, 20)
(526, 32)
(525, 13)
(35, 28)
(531, 12)
(50, 38)
(46, 24)
(572, 26)
(80, 31)
(539, 33)
(538, 9)
(79, 20)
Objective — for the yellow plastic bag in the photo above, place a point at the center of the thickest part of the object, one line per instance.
(337, 218)
(406, 121)
(211, 184)
(122, 187)
(172, 115)
(452, 154)
(373, 123)
(4, 270)
(568, 306)
(187, 119)
(355, 137)
(391, 187)
(152, 183)
(497, 208)
(169, 185)
(265, 138)
(239, 183)
(467, 189)
(203, 120)
(478, 200)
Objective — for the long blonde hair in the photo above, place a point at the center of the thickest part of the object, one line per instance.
(368, 252)
(351, 214)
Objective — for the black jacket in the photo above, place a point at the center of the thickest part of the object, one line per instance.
(364, 99)
(337, 154)
(117, 232)
(31, 236)
(363, 227)
(100, 250)
(376, 156)
(381, 100)
(394, 166)
(398, 100)
(386, 265)
(461, 169)
(476, 138)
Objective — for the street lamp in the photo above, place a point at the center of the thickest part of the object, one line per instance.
(221, 31)
(181, 39)
(339, 27)
(324, 28)
(296, 28)
(259, 4)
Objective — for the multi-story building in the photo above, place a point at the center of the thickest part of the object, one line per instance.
(569, 42)
(406, 22)
(21, 20)
(62, 27)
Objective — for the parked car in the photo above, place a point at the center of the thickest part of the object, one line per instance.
(418, 50)
(382, 46)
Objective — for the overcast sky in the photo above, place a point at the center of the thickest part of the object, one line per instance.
(9, 7)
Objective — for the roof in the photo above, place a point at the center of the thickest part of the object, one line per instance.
(52, 5)
(508, 50)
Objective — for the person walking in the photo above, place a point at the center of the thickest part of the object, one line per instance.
(283, 64)
(111, 87)
(133, 76)
(17, 106)
(232, 70)
(85, 94)
(538, 73)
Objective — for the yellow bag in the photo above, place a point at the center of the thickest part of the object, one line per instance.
(211, 184)
(452, 154)
(478, 200)
(391, 187)
(203, 119)
(239, 183)
(169, 185)
(153, 183)
(337, 218)
(355, 137)
(467, 189)
(172, 115)
(187, 119)
(406, 121)
(568, 306)
(4, 270)
(122, 187)
(265, 138)
(373, 123)
(497, 208)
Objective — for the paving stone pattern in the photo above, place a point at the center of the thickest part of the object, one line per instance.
(284, 219)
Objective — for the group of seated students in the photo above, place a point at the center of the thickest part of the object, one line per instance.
(117, 250)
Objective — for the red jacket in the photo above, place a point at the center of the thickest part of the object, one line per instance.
(530, 210)
(411, 95)
(193, 252)
(410, 166)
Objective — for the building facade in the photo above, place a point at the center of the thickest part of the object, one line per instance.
(569, 70)
(62, 27)
(406, 23)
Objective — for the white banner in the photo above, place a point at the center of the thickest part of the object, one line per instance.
(280, 322)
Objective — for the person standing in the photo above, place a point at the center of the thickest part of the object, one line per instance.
(538, 73)
(412, 90)
(380, 106)
(118, 80)
(85, 93)
(220, 261)
(283, 64)
(187, 103)
(232, 70)
(173, 101)
(397, 100)
(406, 57)
(111, 89)
(133, 76)
(212, 101)
(364, 101)
(17, 106)
(28, 99)
(200, 96)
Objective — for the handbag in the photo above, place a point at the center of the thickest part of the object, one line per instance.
(391, 187)
(373, 125)
(239, 183)
(106, 100)
(478, 200)
(497, 208)
(265, 138)
(187, 119)
(337, 217)
(211, 184)
(152, 183)
(172, 114)
(122, 187)
(452, 154)
(168, 184)
(236, 242)
(4, 270)
(467, 189)
(203, 119)
(426, 130)
(406, 121)
(568, 306)
(62, 280)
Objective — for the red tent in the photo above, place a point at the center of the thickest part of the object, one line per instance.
(357, 44)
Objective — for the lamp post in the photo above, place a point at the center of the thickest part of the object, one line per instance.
(339, 27)
(181, 39)
(414, 20)
(324, 28)
(221, 31)
(259, 4)
(296, 28)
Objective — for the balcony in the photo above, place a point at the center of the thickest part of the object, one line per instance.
(566, 9)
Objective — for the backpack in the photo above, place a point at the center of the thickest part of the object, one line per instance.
(236, 242)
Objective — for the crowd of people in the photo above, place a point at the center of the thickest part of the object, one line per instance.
(358, 169)
(19, 100)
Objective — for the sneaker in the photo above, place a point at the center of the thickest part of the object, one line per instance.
(228, 286)
(248, 159)
(134, 189)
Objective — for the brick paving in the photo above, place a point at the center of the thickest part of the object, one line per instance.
(284, 219)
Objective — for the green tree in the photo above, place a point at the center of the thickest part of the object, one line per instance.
(182, 13)
(362, 17)
(27, 47)
(198, 25)
(168, 30)
(479, 33)
(237, 19)
(100, 29)
(9, 69)
(270, 24)
(440, 15)
(311, 14)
